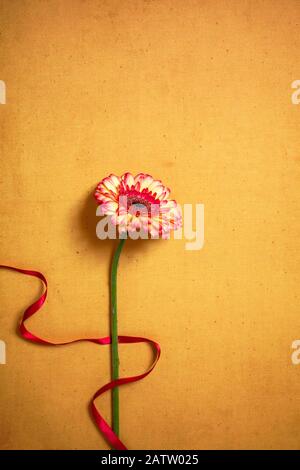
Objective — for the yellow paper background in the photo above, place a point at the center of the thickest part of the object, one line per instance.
(197, 93)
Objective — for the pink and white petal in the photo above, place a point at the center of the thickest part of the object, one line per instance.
(102, 189)
(102, 198)
(122, 219)
(137, 180)
(177, 225)
(145, 182)
(137, 223)
(159, 190)
(165, 225)
(109, 183)
(123, 212)
(177, 219)
(170, 203)
(115, 180)
(167, 206)
(164, 196)
(128, 180)
(156, 223)
(154, 233)
(176, 213)
(166, 235)
(109, 207)
(114, 218)
(139, 177)
(155, 185)
(133, 225)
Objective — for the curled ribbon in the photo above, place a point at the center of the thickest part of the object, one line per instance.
(103, 426)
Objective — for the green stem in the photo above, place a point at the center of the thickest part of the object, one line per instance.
(114, 337)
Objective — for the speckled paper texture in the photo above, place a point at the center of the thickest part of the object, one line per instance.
(198, 94)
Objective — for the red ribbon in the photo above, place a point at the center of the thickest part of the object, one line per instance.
(104, 427)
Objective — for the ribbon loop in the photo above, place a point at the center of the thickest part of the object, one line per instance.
(103, 426)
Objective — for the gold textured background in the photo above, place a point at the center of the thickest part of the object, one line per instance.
(197, 93)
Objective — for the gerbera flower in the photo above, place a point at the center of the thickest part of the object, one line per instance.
(138, 204)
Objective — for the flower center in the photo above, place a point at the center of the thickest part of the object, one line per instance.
(139, 205)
